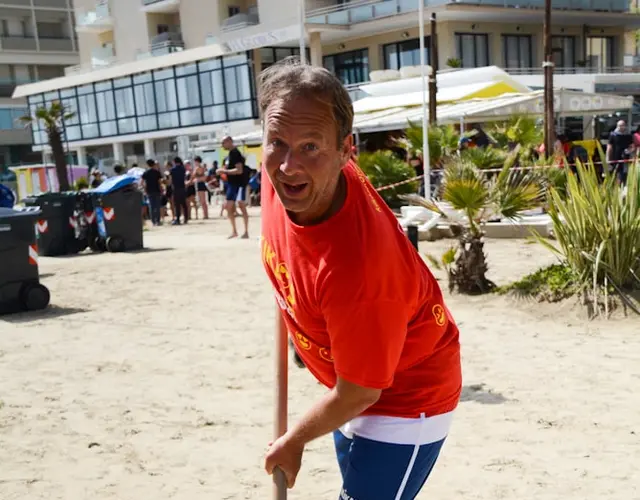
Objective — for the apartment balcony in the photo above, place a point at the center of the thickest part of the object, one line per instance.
(161, 6)
(18, 43)
(241, 21)
(8, 85)
(58, 4)
(56, 45)
(576, 70)
(101, 57)
(161, 45)
(98, 20)
(369, 10)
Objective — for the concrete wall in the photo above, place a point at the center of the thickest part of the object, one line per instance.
(198, 19)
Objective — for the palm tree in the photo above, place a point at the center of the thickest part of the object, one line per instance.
(442, 140)
(475, 199)
(520, 131)
(53, 118)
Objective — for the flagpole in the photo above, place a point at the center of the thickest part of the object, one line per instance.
(425, 135)
(303, 51)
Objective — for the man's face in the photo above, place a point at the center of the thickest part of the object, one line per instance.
(227, 144)
(302, 157)
(622, 126)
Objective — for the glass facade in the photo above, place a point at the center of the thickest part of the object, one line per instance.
(473, 49)
(200, 93)
(271, 55)
(518, 51)
(10, 118)
(350, 67)
(406, 53)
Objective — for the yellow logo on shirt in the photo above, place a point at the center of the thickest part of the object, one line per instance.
(303, 341)
(439, 315)
(282, 275)
(326, 354)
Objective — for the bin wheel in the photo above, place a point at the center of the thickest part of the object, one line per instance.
(115, 244)
(35, 297)
(98, 244)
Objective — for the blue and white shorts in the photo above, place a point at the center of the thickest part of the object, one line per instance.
(373, 468)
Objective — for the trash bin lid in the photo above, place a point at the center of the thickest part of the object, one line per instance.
(114, 183)
(8, 213)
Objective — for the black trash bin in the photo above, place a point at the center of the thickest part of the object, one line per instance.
(87, 227)
(57, 226)
(118, 213)
(20, 288)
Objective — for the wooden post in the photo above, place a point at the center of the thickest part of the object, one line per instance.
(433, 86)
(549, 126)
(281, 399)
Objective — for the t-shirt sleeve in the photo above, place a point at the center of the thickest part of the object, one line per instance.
(234, 158)
(367, 329)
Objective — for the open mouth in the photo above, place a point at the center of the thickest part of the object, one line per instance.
(294, 189)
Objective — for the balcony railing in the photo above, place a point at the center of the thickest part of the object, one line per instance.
(100, 58)
(95, 20)
(18, 43)
(8, 85)
(240, 21)
(575, 70)
(369, 10)
(161, 49)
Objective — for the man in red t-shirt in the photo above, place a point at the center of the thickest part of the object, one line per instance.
(365, 314)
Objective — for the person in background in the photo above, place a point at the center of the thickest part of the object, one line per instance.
(96, 178)
(118, 169)
(200, 181)
(191, 190)
(619, 150)
(179, 188)
(237, 180)
(168, 188)
(212, 180)
(152, 184)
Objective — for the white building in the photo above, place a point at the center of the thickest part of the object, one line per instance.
(155, 70)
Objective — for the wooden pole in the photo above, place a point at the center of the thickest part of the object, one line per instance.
(281, 400)
(549, 126)
(433, 86)
(425, 134)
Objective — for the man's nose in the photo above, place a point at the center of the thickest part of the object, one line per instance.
(290, 164)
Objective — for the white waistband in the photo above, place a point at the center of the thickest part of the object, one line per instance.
(397, 430)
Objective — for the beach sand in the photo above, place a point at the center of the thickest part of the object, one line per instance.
(151, 377)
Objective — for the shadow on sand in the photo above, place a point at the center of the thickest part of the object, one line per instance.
(50, 312)
(480, 394)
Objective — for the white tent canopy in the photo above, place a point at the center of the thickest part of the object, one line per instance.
(566, 103)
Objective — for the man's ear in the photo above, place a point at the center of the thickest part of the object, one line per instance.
(346, 148)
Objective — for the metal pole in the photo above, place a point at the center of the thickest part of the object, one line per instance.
(303, 51)
(549, 127)
(425, 135)
(433, 86)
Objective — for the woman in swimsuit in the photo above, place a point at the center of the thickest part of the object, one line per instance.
(200, 180)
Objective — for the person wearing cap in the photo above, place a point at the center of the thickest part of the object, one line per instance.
(236, 191)
(152, 184)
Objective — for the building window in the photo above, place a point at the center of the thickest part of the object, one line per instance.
(271, 55)
(564, 51)
(517, 50)
(233, 10)
(600, 53)
(473, 49)
(406, 53)
(50, 30)
(9, 118)
(209, 91)
(350, 67)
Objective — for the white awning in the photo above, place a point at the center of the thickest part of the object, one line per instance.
(447, 94)
(566, 103)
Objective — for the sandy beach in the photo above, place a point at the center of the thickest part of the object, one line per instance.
(150, 377)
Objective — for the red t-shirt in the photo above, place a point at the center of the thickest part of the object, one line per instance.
(360, 302)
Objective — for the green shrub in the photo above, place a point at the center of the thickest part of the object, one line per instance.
(597, 228)
(384, 168)
(80, 184)
(484, 158)
(552, 284)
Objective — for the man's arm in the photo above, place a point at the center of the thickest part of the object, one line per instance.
(238, 166)
(609, 151)
(340, 405)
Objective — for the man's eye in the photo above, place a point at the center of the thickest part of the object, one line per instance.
(310, 147)
(276, 143)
